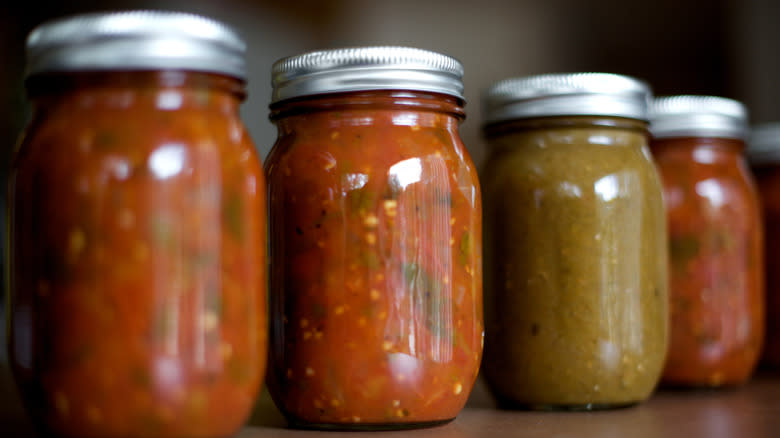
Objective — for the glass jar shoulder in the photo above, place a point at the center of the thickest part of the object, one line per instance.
(700, 186)
(569, 162)
(85, 129)
(399, 147)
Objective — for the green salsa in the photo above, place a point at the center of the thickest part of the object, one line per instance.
(575, 264)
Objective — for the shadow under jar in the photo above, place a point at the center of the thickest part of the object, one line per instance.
(375, 225)
(575, 246)
(137, 232)
(715, 241)
(763, 153)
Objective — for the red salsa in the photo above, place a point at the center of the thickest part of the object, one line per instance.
(716, 261)
(137, 256)
(376, 272)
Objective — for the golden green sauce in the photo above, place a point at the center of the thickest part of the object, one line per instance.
(576, 303)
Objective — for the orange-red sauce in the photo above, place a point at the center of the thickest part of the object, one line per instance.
(375, 225)
(716, 262)
(137, 257)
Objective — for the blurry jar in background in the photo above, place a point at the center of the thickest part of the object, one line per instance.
(715, 240)
(375, 230)
(763, 153)
(575, 244)
(137, 231)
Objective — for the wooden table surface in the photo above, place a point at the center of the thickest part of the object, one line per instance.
(746, 412)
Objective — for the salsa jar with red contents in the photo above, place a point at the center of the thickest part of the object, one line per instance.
(137, 231)
(375, 225)
(715, 241)
(763, 153)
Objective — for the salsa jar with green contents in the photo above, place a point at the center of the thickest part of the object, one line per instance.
(576, 304)
(375, 241)
(715, 241)
(763, 154)
(137, 231)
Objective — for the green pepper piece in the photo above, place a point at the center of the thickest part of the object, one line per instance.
(162, 231)
(427, 295)
(683, 249)
(465, 248)
(106, 139)
(360, 200)
(232, 212)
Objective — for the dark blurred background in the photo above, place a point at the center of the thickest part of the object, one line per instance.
(719, 47)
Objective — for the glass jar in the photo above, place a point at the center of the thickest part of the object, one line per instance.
(715, 241)
(763, 154)
(375, 241)
(137, 231)
(575, 244)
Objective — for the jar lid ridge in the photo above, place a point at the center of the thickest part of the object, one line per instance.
(566, 94)
(135, 40)
(364, 69)
(698, 116)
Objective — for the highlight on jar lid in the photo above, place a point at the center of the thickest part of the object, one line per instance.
(366, 69)
(697, 116)
(567, 94)
(135, 40)
(764, 144)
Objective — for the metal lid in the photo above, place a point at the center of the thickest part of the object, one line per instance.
(698, 116)
(135, 40)
(572, 94)
(764, 145)
(366, 68)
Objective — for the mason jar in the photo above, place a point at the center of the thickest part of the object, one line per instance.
(716, 266)
(576, 298)
(137, 231)
(375, 241)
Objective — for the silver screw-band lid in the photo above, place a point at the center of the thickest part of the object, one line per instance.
(135, 40)
(698, 116)
(365, 69)
(569, 94)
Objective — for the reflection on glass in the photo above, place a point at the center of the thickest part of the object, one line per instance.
(354, 181)
(705, 156)
(605, 140)
(169, 100)
(607, 187)
(406, 172)
(568, 189)
(712, 189)
(406, 119)
(167, 160)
